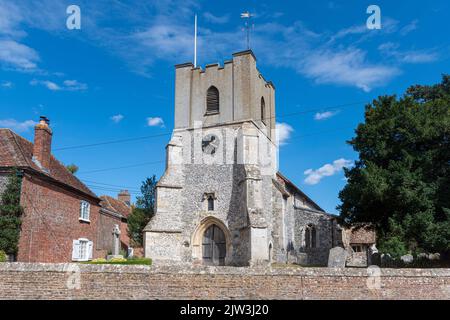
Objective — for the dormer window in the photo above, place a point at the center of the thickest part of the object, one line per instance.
(212, 100)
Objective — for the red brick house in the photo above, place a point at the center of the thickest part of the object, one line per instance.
(62, 220)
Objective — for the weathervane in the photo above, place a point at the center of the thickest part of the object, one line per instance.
(247, 15)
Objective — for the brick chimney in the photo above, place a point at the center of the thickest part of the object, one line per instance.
(42, 142)
(124, 196)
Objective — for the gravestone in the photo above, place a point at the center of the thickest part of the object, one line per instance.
(407, 258)
(337, 257)
(375, 259)
(116, 243)
(434, 256)
(386, 260)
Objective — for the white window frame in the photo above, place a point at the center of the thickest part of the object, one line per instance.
(85, 211)
(82, 250)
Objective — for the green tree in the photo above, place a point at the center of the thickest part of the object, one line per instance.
(143, 211)
(10, 215)
(72, 168)
(401, 181)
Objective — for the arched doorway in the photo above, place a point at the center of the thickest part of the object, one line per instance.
(214, 247)
(211, 231)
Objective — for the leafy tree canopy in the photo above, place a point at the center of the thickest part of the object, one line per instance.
(401, 181)
(72, 168)
(143, 212)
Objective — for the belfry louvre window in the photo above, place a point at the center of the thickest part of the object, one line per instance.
(212, 100)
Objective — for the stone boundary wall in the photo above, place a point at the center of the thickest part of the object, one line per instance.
(109, 282)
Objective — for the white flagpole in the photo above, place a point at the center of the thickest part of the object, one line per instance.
(195, 43)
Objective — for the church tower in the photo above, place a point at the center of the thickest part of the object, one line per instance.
(214, 201)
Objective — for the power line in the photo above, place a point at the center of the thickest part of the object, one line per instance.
(112, 142)
(169, 133)
(319, 132)
(109, 185)
(156, 162)
(123, 167)
(110, 190)
(318, 109)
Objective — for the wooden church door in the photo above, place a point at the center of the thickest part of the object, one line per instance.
(214, 246)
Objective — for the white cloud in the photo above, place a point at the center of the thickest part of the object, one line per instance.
(324, 115)
(74, 85)
(358, 29)
(216, 19)
(15, 17)
(163, 31)
(155, 122)
(68, 85)
(6, 84)
(314, 176)
(48, 84)
(16, 125)
(117, 118)
(391, 49)
(409, 27)
(18, 56)
(347, 67)
(283, 132)
(418, 57)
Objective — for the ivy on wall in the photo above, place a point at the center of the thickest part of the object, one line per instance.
(10, 214)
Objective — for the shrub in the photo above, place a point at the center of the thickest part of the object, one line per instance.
(3, 257)
(117, 260)
(123, 261)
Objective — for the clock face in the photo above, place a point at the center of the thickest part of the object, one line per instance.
(210, 143)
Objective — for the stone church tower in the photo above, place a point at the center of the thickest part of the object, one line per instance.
(221, 200)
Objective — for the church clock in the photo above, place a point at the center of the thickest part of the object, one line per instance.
(210, 143)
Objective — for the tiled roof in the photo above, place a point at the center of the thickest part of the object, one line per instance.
(16, 151)
(286, 181)
(117, 206)
(362, 234)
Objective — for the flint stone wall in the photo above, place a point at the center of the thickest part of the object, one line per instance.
(109, 282)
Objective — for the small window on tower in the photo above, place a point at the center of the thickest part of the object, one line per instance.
(212, 100)
(209, 200)
(263, 110)
(210, 203)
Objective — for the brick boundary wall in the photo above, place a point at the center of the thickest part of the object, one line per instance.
(109, 282)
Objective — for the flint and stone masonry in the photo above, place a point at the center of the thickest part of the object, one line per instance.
(221, 200)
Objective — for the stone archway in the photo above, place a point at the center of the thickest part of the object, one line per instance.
(213, 236)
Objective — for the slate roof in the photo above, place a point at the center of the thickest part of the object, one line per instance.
(116, 206)
(16, 151)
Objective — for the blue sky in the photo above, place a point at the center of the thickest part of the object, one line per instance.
(114, 78)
